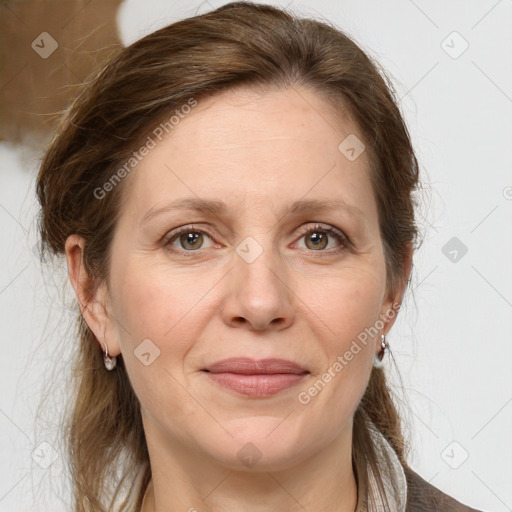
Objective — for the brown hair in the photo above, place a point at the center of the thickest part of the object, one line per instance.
(239, 44)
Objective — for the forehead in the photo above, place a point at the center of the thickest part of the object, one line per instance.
(262, 146)
(256, 116)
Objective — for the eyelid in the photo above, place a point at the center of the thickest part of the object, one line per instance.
(322, 227)
(175, 233)
(303, 230)
(330, 230)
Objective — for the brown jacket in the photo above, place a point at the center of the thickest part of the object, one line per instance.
(424, 497)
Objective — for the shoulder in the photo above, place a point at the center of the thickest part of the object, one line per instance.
(422, 496)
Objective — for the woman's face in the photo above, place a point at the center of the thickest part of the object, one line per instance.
(249, 233)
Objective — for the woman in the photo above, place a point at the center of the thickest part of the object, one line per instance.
(233, 196)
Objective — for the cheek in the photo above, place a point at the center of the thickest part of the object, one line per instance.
(153, 303)
(344, 310)
(341, 309)
(160, 314)
(344, 303)
(171, 309)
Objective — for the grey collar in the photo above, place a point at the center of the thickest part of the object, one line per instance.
(394, 497)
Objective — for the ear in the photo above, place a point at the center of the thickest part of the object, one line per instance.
(394, 298)
(92, 296)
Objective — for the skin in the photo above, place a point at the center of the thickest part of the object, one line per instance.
(258, 151)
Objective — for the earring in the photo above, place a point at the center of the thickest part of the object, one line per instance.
(377, 359)
(110, 362)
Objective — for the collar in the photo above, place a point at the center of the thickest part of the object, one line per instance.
(394, 495)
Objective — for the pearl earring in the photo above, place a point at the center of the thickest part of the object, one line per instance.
(378, 358)
(110, 362)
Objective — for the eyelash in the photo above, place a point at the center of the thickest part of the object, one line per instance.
(330, 230)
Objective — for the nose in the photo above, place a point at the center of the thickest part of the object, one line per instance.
(259, 297)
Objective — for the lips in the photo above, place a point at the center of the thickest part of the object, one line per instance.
(256, 378)
(246, 366)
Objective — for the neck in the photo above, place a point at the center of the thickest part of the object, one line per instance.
(184, 480)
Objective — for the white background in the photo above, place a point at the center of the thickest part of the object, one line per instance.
(452, 343)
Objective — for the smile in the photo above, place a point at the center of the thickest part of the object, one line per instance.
(256, 379)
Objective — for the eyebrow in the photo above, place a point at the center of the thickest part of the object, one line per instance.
(216, 207)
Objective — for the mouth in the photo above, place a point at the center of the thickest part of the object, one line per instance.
(256, 378)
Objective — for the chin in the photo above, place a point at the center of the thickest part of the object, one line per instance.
(260, 444)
